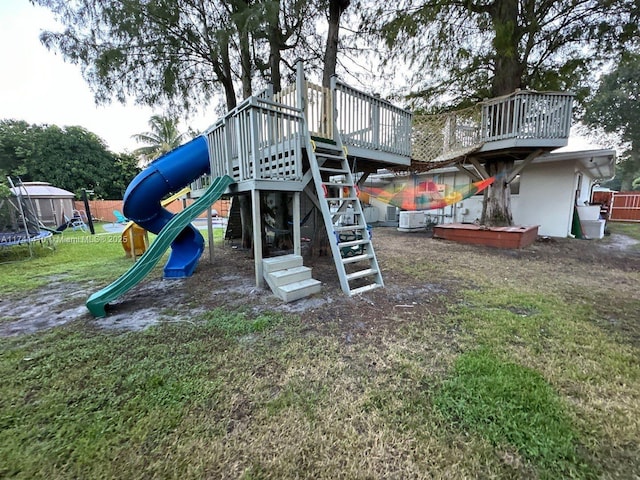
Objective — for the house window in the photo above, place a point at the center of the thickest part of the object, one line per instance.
(515, 185)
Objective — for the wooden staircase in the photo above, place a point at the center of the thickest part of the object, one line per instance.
(288, 278)
(349, 237)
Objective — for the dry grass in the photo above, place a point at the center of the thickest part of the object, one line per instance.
(349, 388)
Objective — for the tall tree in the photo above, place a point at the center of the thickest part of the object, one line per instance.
(180, 53)
(176, 52)
(616, 108)
(69, 157)
(162, 137)
(335, 10)
(470, 50)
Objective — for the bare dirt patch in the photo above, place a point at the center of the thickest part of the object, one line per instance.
(229, 282)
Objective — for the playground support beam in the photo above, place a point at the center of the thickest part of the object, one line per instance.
(210, 233)
(257, 236)
(296, 223)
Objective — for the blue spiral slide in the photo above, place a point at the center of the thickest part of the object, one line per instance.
(167, 174)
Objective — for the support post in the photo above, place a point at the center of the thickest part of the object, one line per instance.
(296, 224)
(479, 168)
(530, 158)
(87, 209)
(257, 236)
(301, 90)
(210, 233)
(474, 177)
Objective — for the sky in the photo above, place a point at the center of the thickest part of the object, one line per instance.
(37, 86)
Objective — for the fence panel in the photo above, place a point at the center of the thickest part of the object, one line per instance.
(625, 207)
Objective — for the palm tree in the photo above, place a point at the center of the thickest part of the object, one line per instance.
(163, 137)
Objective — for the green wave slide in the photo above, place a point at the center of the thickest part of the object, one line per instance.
(96, 303)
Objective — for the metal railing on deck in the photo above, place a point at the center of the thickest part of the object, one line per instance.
(370, 122)
(258, 140)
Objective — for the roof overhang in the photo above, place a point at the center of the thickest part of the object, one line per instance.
(598, 163)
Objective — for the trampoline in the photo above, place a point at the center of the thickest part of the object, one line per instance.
(19, 224)
(9, 239)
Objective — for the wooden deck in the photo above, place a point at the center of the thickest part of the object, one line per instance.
(261, 143)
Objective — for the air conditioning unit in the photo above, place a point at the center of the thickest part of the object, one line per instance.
(391, 215)
(412, 221)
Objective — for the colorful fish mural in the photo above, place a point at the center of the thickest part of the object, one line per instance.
(422, 196)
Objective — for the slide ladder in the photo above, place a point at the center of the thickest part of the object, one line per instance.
(349, 237)
(96, 302)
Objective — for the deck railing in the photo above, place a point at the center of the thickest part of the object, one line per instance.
(262, 137)
(526, 115)
(534, 117)
(362, 120)
(258, 140)
(318, 111)
(370, 122)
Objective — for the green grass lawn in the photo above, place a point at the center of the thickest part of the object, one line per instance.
(630, 229)
(74, 256)
(517, 379)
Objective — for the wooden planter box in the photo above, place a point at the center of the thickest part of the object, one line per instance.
(500, 237)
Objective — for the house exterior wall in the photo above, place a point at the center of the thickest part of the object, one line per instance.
(546, 198)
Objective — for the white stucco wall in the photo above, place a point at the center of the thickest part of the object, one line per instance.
(546, 198)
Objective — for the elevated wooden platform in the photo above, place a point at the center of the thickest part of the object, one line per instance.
(311, 140)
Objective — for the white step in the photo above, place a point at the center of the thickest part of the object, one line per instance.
(353, 243)
(297, 290)
(349, 228)
(341, 199)
(336, 184)
(357, 258)
(290, 275)
(361, 273)
(337, 171)
(330, 156)
(366, 288)
(283, 262)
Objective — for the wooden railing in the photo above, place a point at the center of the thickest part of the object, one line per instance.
(526, 115)
(258, 140)
(262, 137)
(362, 120)
(528, 119)
(318, 111)
(370, 122)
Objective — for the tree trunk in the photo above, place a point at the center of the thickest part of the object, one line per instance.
(245, 61)
(246, 220)
(508, 71)
(508, 67)
(226, 77)
(336, 7)
(497, 211)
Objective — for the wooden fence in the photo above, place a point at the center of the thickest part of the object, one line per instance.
(103, 209)
(625, 207)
